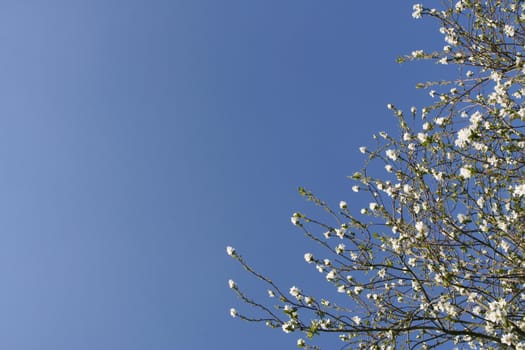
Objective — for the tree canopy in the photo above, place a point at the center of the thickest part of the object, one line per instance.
(436, 259)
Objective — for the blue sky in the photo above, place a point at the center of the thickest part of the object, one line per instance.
(139, 138)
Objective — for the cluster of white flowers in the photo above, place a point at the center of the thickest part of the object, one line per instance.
(417, 11)
(497, 311)
(463, 137)
(451, 36)
(444, 226)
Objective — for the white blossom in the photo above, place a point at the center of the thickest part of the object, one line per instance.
(437, 175)
(465, 172)
(390, 153)
(330, 276)
(421, 229)
(296, 292)
(463, 137)
(288, 327)
(504, 245)
(519, 190)
(309, 258)
(357, 320)
(451, 36)
(508, 338)
(497, 311)
(476, 118)
(509, 30)
(459, 6)
(230, 251)
(462, 218)
(417, 11)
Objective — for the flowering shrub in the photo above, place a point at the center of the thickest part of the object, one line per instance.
(437, 258)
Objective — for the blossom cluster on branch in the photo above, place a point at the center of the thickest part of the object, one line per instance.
(436, 259)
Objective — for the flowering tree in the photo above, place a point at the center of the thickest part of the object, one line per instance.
(438, 255)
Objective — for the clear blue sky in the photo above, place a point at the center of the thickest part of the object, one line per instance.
(138, 138)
